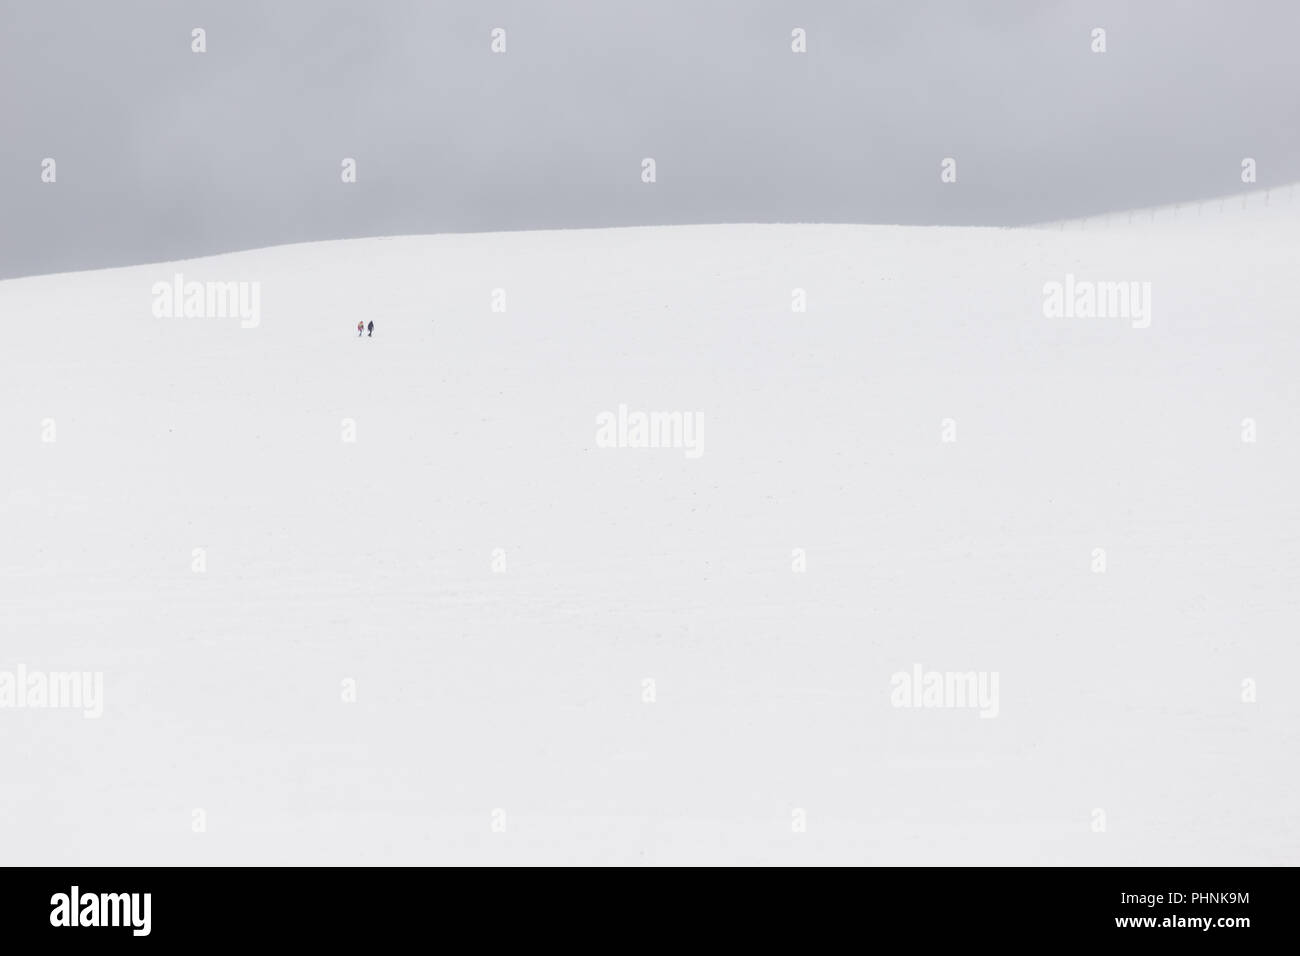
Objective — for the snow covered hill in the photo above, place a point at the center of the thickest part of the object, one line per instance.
(564, 652)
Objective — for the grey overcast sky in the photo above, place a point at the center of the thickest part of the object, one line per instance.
(163, 153)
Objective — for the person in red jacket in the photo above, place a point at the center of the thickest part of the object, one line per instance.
(360, 328)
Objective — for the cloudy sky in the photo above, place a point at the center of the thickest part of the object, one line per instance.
(163, 153)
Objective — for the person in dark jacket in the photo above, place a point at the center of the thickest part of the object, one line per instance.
(371, 327)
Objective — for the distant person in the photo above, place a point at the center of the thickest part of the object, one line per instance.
(371, 327)
(360, 328)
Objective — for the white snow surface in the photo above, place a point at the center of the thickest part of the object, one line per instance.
(516, 697)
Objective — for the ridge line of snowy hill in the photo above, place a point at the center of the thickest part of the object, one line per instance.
(1225, 204)
(1181, 212)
